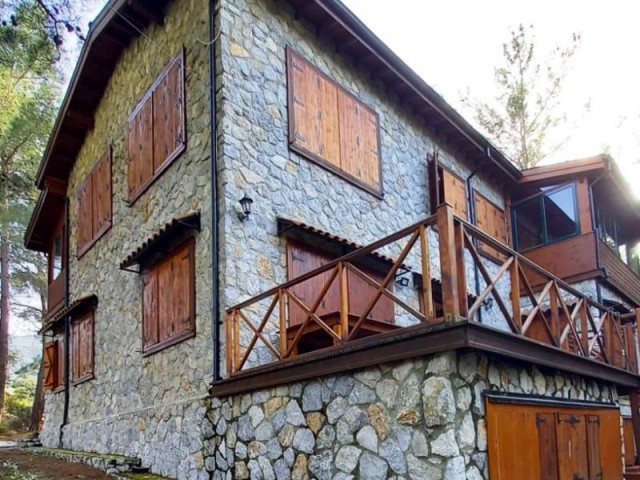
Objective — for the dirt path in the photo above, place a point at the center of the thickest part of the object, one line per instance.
(47, 468)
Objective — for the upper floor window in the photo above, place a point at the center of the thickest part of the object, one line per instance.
(156, 129)
(549, 216)
(94, 205)
(57, 259)
(331, 127)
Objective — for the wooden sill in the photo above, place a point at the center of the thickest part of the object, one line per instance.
(99, 235)
(84, 378)
(58, 389)
(169, 342)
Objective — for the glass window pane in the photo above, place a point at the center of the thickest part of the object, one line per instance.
(560, 213)
(529, 224)
(57, 257)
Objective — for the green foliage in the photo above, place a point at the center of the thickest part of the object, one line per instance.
(18, 401)
(10, 471)
(526, 106)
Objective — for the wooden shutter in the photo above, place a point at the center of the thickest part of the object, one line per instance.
(76, 360)
(140, 132)
(571, 434)
(168, 114)
(361, 293)
(359, 149)
(101, 193)
(150, 307)
(492, 220)
(50, 365)
(629, 442)
(85, 216)
(455, 192)
(314, 100)
(593, 447)
(303, 259)
(181, 287)
(61, 375)
(547, 445)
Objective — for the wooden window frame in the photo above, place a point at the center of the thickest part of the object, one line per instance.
(57, 339)
(186, 334)
(436, 194)
(90, 317)
(164, 166)
(81, 250)
(292, 54)
(58, 284)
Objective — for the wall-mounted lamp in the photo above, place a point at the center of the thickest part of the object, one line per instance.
(488, 303)
(402, 281)
(245, 204)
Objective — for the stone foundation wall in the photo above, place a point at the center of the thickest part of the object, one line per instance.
(418, 419)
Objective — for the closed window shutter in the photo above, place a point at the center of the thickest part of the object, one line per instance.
(168, 115)
(140, 130)
(60, 363)
(593, 447)
(101, 185)
(76, 343)
(455, 193)
(50, 365)
(571, 434)
(358, 140)
(150, 307)
(328, 124)
(85, 215)
(491, 220)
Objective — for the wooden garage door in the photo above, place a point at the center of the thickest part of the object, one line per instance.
(538, 442)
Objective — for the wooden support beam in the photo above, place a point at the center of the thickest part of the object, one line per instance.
(448, 264)
(515, 294)
(461, 268)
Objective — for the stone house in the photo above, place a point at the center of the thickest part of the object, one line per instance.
(211, 178)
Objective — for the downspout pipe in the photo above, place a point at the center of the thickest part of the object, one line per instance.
(67, 353)
(215, 244)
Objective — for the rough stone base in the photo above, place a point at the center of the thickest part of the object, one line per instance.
(417, 419)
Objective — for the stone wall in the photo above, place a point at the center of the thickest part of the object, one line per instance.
(417, 419)
(255, 158)
(136, 405)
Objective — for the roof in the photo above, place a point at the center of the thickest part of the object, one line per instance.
(122, 20)
(564, 170)
(75, 309)
(170, 234)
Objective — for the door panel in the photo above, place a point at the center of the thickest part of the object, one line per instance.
(571, 432)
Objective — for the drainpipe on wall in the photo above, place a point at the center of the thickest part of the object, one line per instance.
(67, 356)
(215, 246)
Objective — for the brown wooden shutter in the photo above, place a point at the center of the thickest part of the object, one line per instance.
(101, 186)
(455, 192)
(303, 259)
(315, 111)
(547, 445)
(593, 447)
(61, 375)
(572, 446)
(168, 114)
(182, 290)
(50, 365)
(361, 293)
(75, 351)
(85, 216)
(140, 131)
(629, 441)
(150, 307)
(359, 149)
(491, 219)
(166, 304)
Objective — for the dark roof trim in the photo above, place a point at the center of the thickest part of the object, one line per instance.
(74, 310)
(51, 200)
(388, 59)
(170, 234)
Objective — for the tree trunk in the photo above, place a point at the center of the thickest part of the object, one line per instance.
(4, 313)
(37, 410)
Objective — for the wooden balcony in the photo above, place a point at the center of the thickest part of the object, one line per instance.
(618, 273)
(554, 325)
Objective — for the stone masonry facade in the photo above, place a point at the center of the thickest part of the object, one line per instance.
(417, 419)
(150, 407)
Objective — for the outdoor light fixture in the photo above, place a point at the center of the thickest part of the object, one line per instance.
(488, 303)
(245, 204)
(403, 281)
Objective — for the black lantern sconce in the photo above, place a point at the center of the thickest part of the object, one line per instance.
(245, 204)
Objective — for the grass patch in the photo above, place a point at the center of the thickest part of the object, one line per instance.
(10, 471)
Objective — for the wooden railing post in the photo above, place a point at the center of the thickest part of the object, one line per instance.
(461, 268)
(344, 301)
(230, 340)
(425, 257)
(283, 323)
(515, 294)
(448, 264)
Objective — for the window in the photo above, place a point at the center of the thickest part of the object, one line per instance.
(53, 363)
(94, 205)
(547, 217)
(81, 340)
(491, 219)
(169, 300)
(156, 129)
(447, 187)
(57, 259)
(331, 127)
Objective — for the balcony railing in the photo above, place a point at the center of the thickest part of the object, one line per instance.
(458, 279)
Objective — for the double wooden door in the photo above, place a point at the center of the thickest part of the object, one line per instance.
(552, 443)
